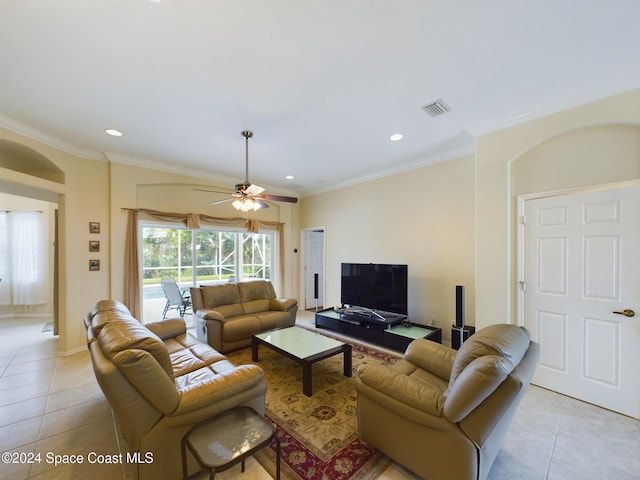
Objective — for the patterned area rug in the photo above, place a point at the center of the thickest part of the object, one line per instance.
(318, 434)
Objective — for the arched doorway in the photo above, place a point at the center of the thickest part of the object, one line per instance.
(18, 194)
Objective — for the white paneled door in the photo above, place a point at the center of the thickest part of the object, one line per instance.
(582, 294)
(314, 268)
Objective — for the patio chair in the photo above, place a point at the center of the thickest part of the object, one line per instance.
(176, 299)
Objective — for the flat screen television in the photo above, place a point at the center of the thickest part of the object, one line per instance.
(374, 285)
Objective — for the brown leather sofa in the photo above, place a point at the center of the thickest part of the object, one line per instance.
(444, 414)
(228, 314)
(160, 381)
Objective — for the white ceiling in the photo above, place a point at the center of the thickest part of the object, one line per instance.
(321, 84)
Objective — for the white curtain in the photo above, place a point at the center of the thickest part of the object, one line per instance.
(5, 298)
(26, 238)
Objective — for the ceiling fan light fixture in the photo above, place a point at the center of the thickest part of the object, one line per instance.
(245, 204)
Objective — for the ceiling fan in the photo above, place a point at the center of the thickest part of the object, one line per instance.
(248, 196)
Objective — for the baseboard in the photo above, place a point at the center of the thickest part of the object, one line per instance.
(26, 315)
(73, 351)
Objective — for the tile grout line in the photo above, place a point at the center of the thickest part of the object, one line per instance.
(555, 437)
(39, 438)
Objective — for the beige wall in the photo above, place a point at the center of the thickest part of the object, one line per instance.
(593, 144)
(423, 218)
(81, 199)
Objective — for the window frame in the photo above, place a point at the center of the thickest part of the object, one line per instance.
(238, 261)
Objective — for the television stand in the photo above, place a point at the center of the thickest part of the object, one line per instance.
(387, 332)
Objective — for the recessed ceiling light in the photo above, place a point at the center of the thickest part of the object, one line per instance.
(289, 177)
(113, 132)
(396, 137)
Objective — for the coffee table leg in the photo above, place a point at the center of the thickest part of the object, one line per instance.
(306, 378)
(347, 361)
(254, 349)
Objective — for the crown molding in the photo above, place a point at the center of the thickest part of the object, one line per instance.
(439, 157)
(47, 139)
(34, 134)
(620, 84)
(200, 174)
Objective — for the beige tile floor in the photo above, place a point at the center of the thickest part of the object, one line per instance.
(52, 405)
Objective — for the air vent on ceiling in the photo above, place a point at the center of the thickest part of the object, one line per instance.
(437, 108)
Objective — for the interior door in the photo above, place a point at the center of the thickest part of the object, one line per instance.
(582, 267)
(314, 268)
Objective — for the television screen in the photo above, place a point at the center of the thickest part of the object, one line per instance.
(376, 286)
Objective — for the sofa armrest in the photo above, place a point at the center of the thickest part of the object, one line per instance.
(146, 375)
(169, 328)
(197, 395)
(282, 304)
(474, 384)
(432, 357)
(402, 388)
(208, 314)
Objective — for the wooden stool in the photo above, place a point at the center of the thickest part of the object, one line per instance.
(227, 439)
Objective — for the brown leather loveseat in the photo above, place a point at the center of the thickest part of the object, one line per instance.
(160, 381)
(228, 314)
(444, 414)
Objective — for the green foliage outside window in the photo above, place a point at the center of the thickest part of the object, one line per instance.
(219, 255)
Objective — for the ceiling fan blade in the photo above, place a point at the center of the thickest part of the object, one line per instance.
(278, 198)
(253, 190)
(261, 203)
(218, 202)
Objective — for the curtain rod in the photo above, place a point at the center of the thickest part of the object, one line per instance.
(21, 211)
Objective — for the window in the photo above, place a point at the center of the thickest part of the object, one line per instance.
(206, 255)
(23, 257)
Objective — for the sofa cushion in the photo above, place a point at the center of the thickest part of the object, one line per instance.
(508, 341)
(231, 310)
(214, 295)
(102, 317)
(256, 290)
(241, 327)
(188, 356)
(253, 306)
(270, 320)
(474, 384)
(108, 306)
(142, 370)
(118, 336)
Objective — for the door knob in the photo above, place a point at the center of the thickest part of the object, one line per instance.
(626, 313)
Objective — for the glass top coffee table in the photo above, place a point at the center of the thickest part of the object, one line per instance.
(303, 346)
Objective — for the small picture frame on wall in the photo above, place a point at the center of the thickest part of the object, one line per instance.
(94, 246)
(94, 265)
(94, 227)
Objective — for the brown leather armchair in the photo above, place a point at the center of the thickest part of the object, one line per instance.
(444, 414)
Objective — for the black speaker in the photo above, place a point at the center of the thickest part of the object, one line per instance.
(459, 306)
(459, 335)
(315, 285)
